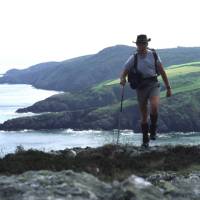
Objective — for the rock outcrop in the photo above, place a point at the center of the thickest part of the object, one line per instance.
(70, 185)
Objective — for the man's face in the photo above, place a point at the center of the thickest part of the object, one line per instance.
(142, 46)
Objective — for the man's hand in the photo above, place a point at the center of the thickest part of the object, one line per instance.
(169, 92)
(122, 81)
(165, 79)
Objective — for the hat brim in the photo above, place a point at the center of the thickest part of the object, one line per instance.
(148, 40)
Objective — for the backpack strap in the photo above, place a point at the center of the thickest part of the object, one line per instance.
(135, 62)
(155, 55)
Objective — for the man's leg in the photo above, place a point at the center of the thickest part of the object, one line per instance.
(144, 123)
(143, 106)
(154, 107)
(144, 113)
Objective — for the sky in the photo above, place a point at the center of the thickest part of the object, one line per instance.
(35, 31)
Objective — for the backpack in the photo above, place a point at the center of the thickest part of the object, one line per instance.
(135, 77)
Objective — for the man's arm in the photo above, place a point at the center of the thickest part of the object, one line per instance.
(126, 69)
(123, 77)
(165, 79)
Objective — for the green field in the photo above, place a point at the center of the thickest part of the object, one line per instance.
(173, 72)
(183, 78)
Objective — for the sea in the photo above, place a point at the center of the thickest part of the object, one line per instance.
(15, 96)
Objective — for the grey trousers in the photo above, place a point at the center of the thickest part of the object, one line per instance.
(150, 88)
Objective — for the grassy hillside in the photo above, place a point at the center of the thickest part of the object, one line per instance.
(183, 78)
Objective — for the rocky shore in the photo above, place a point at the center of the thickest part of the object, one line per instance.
(109, 172)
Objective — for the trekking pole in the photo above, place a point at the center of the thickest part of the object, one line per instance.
(119, 118)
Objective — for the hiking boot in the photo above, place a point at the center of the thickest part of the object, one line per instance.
(152, 131)
(145, 138)
(145, 145)
(153, 126)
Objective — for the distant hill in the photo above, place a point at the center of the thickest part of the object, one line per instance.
(98, 106)
(84, 72)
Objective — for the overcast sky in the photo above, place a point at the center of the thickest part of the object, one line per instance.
(34, 31)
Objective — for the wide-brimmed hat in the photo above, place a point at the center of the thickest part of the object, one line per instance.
(141, 39)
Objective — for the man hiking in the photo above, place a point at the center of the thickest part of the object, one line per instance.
(142, 70)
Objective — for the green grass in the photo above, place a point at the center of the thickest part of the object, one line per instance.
(185, 64)
(115, 107)
(101, 86)
(183, 88)
(172, 72)
(113, 82)
(184, 70)
(183, 78)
